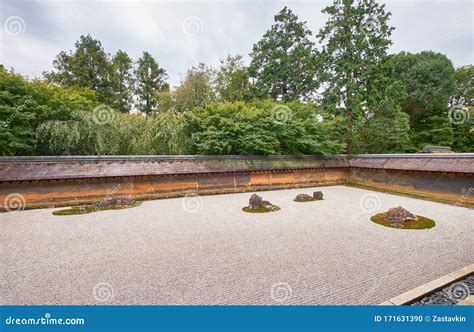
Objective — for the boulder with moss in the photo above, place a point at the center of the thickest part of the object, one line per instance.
(258, 205)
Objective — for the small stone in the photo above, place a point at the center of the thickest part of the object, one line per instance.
(255, 202)
(303, 198)
(318, 195)
(269, 206)
(399, 215)
(82, 209)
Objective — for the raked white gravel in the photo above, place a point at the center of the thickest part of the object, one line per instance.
(205, 250)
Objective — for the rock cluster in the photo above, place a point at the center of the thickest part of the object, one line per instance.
(256, 202)
(317, 195)
(399, 215)
(119, 201)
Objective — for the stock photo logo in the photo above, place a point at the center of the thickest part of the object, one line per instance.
(103, 292)
(459, 115)
(14, 202)
(458, 291)
(370, 203)
(192, 25)
(14, 25)
(103, 114)
(281, 114)
(281, 292)
(192, 203)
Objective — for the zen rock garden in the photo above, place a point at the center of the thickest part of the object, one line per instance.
(397, 217)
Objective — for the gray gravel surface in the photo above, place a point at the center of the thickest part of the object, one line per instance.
(205, 250)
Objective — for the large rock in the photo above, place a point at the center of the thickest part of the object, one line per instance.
(399, 215)
(303, 198)
(255, 202)
(318, 195)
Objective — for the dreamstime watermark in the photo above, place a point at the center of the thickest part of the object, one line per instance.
(192, 203)
(14, 202)
(281, 292)
(281, 114)
(103, 114)
(459, 115)
(370, 203)
(466, 193)
(14, 25)
(110, 195)
(192, 25)
(103, 292)
(9, 120)
(46, 320)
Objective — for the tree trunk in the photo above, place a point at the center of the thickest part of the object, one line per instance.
(349, 79)
(349, 125)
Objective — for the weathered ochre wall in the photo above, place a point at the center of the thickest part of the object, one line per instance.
(53, 181)
(53, 193)
(452, 188)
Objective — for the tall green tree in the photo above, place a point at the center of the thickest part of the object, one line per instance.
(196, 90)
(463, 93)
(232, 83)
(122, 82)
(462, 102)
(88, 66)
(429, 83)
(284, 63)
(386, 131)
(355, 41)
(150, 80)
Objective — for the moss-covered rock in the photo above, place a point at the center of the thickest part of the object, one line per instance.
(258, 205)
(117, 204)
(420, 223)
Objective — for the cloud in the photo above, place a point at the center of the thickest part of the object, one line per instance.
(224, 27)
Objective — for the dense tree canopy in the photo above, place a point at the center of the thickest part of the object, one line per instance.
(250, 128)
(25, 105)
(87, 66)
(232, 81)
(292, 99)
(196, 90)
(429, 83)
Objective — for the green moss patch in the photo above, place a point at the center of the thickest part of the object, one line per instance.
(260, 210)
(421, 223)
(90, 209)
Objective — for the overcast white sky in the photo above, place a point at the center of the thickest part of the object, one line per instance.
(180, 34)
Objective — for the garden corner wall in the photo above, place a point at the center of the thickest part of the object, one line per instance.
(60, 181)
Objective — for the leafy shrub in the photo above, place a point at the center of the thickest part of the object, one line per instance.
(260, 128)
(121, 134)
